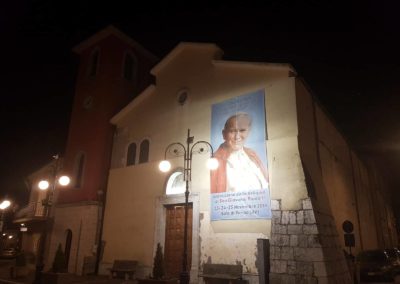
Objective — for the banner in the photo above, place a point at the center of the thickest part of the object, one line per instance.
(240, 185)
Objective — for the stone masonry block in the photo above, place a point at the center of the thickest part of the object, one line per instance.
(300, 217)
(287, 253)
(283, 240)
(300, 254)
(281, 278)
(294, 241)
(308, 254)
(301, 279)
(291, 267)
(275, 252)
(294, 229)
(288, 279)
(309, 217)
(279, 240)
(303, 241)
(276, 217)
(310, 229)
(315, 254)
(279, 229)
(274, 278)
(275, 204)
(305, 268)
(292, 217)
(320, 269)
(314, 241)
(278, 266)
(307, 204)
(285, 217)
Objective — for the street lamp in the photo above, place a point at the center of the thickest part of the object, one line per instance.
(47, 203)
(3, 206)
(176, 149)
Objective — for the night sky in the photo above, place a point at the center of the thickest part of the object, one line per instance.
(348, 54)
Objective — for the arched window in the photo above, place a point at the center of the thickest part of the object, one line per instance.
(94, 62)
(175, 183)
(68, 241)
(79, 168)
(131, 156)
(130, 67)
(144, 151)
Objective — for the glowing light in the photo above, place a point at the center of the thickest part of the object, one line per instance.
(43, 184)
(64, 180)
(10, 236)
(164, 166)
(212, 163)
(5, 204)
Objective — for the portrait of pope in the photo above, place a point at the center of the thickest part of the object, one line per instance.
(240, 168)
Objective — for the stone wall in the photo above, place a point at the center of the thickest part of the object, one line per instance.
(305, 247)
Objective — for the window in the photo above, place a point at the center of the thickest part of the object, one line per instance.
(130, 67)
(175, 183)
(144, 151)
(131, 157)
(94, 60)
(79, 167)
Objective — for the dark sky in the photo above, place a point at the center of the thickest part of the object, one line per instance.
(348, 53)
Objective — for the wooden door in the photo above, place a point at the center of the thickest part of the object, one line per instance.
(174, 231)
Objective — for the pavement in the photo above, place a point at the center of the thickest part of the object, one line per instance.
(73, 279)
(11, 274)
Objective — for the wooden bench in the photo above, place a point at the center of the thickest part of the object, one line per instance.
(223, 274)
(125, 268)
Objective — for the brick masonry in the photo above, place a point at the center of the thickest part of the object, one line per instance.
(305, 247)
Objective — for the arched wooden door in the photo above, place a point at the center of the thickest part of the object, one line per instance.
(174, 232)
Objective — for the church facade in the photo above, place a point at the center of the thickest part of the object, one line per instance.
(315, 181)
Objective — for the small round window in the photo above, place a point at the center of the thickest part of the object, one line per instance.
(176, 183)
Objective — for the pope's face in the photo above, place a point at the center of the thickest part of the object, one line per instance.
(236, 132)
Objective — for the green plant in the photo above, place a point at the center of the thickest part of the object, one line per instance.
(158, 265)
(60, 262)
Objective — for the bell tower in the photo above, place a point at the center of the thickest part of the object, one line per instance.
(113, 69)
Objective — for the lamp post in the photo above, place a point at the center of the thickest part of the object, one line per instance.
(176, 149)
(47, 203)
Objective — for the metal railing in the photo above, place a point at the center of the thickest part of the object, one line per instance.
(33, 209)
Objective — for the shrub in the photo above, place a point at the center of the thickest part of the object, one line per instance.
(158, 265)
(60, 262)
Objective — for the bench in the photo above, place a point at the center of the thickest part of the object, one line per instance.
(223, 274)
(125, 268)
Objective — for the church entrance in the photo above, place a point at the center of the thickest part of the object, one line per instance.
(174, 232)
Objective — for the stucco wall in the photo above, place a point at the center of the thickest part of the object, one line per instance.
(162, 120)
(82, 220)
(345, 187)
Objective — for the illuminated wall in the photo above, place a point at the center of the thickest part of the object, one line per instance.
(309, 170)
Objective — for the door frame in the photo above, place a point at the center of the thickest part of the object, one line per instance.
(159, 232)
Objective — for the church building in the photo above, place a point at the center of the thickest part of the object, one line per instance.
(292, 187)
(273, 185)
